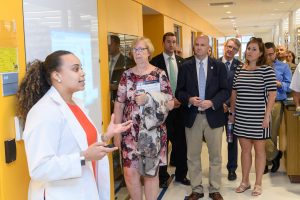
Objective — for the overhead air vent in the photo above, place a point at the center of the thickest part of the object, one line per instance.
(228, 18)
(222, 4)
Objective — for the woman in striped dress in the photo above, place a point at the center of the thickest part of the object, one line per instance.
(253, 95)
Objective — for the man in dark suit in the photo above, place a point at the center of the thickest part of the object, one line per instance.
(231, 47)
(170, 62)
(202, 90)
(118, 63)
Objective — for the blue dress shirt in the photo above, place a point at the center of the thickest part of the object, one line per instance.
(284, 76)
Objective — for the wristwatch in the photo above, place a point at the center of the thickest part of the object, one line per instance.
(82, 160)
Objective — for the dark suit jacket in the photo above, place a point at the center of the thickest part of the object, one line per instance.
(177, 113)
(216, 90)
(234, 65)
(159, 62)
(123, 63)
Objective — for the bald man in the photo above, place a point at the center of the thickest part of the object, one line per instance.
(202, 89)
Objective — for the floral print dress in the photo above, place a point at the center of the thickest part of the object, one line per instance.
(126, 94)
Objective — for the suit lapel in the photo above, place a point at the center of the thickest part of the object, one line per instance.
(120, 62)
(194, 74)
(234, 65)
(178, 61)
(210, 69)
(162, 64)
(74, 125)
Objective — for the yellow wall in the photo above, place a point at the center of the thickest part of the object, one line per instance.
(14, 177)
(124, 16)
(104, 71)
(176, 10)
(186, 34)
(154, 29)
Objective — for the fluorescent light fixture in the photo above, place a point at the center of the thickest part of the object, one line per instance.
(224, 4)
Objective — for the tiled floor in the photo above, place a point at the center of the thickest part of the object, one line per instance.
(276, 186)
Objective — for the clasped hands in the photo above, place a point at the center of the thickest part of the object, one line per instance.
(141, 99)
(203, 104)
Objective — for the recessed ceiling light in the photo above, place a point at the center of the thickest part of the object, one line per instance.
(228, 12)
(229, 18)
(281, 2)
(226, 6)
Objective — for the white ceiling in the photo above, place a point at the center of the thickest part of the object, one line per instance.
(252, 16)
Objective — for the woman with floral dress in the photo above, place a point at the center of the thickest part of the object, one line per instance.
(129, 104)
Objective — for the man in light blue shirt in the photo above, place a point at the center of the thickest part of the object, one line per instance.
(283, 80)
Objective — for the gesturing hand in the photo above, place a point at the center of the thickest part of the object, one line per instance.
(114, 129)
(97, 151)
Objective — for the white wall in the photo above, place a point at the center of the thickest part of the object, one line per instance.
(266, 36)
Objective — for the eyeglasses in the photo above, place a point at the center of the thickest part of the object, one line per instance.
(138, 50)
(231, 47)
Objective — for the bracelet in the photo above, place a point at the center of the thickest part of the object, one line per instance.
(104, 138)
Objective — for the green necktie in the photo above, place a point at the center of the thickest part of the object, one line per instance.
(172, 75)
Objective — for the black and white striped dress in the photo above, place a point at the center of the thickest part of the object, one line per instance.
(252, 87)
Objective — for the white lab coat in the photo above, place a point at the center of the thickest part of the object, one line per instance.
(53, 142)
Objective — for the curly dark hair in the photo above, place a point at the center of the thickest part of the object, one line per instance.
(37, 82)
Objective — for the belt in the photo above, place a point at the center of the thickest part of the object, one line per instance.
(201, 112)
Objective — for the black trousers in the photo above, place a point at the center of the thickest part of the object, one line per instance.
(176, 134)
(232, 150)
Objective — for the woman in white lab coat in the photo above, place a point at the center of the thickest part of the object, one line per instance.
(58, 144)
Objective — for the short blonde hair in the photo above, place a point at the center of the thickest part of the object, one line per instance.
(148, 44)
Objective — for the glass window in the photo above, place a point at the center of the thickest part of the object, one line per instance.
(120, 59)
(49, 26)
(177, 32)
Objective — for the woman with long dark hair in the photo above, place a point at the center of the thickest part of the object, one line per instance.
(66, 156)
(252, 98)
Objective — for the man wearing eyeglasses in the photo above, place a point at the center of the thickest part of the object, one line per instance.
(170, 62)
(231, 47)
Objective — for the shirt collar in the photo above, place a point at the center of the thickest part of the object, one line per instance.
(224, 60)
(204, 61)
(166, 56)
